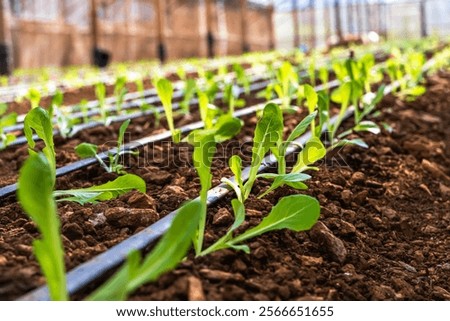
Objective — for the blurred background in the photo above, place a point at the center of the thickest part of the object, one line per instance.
(37, 33)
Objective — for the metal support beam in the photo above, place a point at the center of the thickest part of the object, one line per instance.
(296, 23)
(5, 62)
(244, 31)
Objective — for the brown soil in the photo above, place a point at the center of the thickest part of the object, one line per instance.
(383, 233)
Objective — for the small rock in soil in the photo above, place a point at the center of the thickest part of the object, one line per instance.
(358, 178)
(382, 292)
(125, 217)
(389, 213)
(310, 260)
(239, 265)
(173, 195)
(72, 231)
(97, 219)
(441, 293)
(360, 197)
(218, 275)
(407, 267)
(222, 217)
(434, 170)
(346, 196)
(195, 289)
(334, 246)
(342, 227)
(157, 176)
(445, 190)
(429, 229)
(141, 200)
(24, 250)
(3, 260)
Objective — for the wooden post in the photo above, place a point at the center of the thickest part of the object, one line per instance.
(270, 13)
(337, 12)
(296, 24)
(245, 46)
(160, 13)
(4, 48)
(312, 22)
(210, 39)
(423, 19)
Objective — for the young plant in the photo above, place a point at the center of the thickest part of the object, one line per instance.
(85, 150)
(119, 92)
(242, 78)
(165, 92)
(144, 106)
(266, 136)
(100, 93)
(84, 110)
(34, 97)
(204, 142)
(35, 195)
(287, 83)
(39, 121)
(64, 122)
(190, 86)
(6, 120)
(166, 255)
(110, 190)
(295, 212)
(231, 97)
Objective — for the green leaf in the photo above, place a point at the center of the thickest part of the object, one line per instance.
(288, 179)
(122, 130)
(226, 128)
(313, 151)
(39, 120)
(34, 96)
(342, 94)
(3, 108)
(267, 134)
(311, 97)
(112, 189)
(167, 254)
(36, 182)
(85, 150)
(58, 98)
(164, 89)
(358, 142)
(300, 128)
(235, 164)
(295, 212)
(368, 126)
(8, 120)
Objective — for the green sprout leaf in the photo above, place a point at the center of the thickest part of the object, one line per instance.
(165, 92)
(119, 186)
(36, 181)
(295, 212)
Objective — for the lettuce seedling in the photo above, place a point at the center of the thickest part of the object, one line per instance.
(34, 97)
(166, 255)
(64, 122)
(266, 136)
(39, 121)
(190, 86)
(85, 150)
(231, 97)
(119, 92)
(287, 84)
(36, 183)
(110, 190)
(6, 120)
(295, 212)
(100, 94)
(242, 78)
(165, 92)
